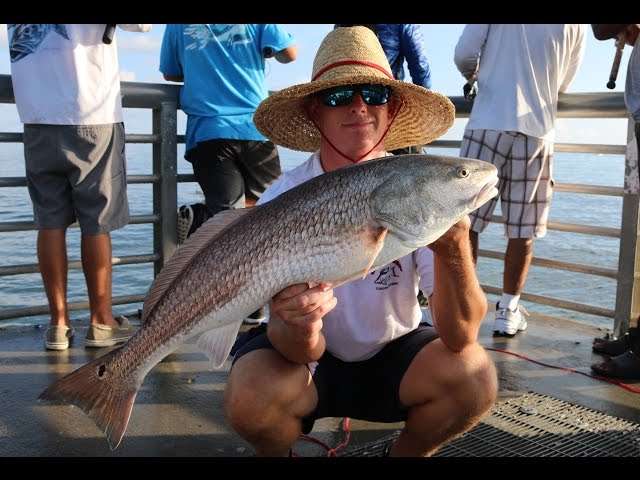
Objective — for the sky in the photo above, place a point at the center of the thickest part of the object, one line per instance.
(139, 56)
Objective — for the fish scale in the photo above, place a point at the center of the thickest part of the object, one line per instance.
(333, 228)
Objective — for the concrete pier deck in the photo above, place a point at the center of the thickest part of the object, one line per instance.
(178, 411)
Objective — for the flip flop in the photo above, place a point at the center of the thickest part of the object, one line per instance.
(613, 348)
(626, 365)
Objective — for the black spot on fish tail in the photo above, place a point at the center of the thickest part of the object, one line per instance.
(105, 397)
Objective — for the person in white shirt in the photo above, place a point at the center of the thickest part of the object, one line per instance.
(359, 349)
(520, 69)
(66, 85)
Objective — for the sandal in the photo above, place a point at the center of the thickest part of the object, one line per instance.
(613, 348)
(626, 365)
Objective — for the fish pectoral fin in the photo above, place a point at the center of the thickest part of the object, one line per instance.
(217, 343)
(379, 244)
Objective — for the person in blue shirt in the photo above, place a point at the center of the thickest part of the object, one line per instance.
(403, 42)
(400, 42)
(223, 70)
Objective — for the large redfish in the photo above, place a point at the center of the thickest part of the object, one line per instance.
(334, 228)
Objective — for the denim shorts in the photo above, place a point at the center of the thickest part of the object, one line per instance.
(365, 390)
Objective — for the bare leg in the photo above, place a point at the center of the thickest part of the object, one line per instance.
(52, 258)
(448, 394)
(96, 264)
(516, 265)
(266, 398)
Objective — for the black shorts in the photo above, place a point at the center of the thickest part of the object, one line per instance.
(366, 390)
(230, 170)
(637, 132)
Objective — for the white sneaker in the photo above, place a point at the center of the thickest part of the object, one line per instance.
(508, 322)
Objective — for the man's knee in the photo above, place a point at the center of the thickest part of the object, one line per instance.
(487, 379)
(262, 387)
(477, 378)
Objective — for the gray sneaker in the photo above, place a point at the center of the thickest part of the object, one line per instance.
(190, 218)
(103, 336)
(57, 337)
(508, 322)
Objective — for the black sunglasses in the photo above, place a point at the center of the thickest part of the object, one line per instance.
(343, 94)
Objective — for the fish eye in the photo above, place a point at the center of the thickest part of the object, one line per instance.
(463, 172)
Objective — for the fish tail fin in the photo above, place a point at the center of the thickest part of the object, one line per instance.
(105, 398)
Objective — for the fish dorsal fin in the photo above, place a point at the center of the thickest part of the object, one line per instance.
(207, 232)
(217, 343)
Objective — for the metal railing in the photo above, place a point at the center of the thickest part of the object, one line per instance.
(163, 99)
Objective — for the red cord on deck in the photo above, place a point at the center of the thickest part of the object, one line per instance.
(567, 369)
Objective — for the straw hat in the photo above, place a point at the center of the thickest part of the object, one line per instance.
(351, 55)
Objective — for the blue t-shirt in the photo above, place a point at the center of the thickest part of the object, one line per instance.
(400, 42)
(224, 80)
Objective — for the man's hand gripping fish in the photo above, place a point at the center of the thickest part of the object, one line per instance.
(334, 228)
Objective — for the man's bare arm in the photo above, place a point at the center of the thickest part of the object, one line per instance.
(287, 55)
(458, 304)
(173, 78)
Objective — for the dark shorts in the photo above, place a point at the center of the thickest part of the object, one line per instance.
(77, 172)
(366, 390)
(229, 171)
(637, 132)
(420, 149)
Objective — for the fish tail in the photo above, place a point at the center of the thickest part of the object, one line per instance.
(106, 398)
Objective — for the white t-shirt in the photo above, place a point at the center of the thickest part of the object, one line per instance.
(63, 74)
(522, 69)
(374, 311)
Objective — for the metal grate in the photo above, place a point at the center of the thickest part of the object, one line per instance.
(535, 425)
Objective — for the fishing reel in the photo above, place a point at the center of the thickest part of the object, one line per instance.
(469, 91)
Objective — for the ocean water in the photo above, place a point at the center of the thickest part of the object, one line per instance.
(606, 170)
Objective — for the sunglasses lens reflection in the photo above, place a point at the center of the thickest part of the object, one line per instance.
(343, 95)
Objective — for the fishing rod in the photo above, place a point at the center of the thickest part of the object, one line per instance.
(469, 89)
(107, 37)
(620, 40)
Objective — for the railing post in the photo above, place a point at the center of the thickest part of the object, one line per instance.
(628, 289)
(165, 193)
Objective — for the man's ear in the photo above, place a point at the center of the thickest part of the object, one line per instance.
(311, 109)
(394, 107)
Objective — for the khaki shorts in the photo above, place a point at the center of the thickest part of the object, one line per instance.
(77, 172)
(525, 167)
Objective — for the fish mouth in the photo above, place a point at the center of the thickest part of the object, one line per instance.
(486, 193)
